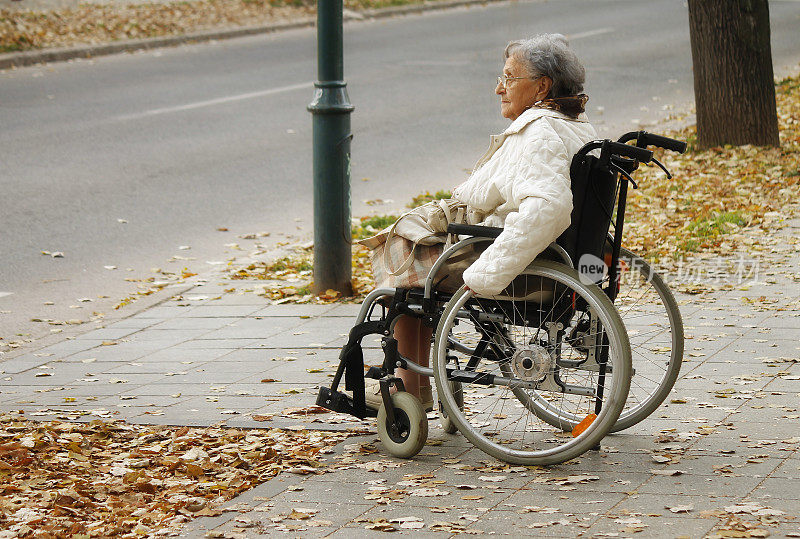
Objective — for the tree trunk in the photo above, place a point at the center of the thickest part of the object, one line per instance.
(734, 88)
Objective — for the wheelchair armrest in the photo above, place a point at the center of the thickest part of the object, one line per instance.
(474, 230)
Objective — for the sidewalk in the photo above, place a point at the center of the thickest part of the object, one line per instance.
(728, 440)
(200, 26)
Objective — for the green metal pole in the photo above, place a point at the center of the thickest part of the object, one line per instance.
(331, 110)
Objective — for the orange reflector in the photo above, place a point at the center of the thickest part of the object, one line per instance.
(583, 425)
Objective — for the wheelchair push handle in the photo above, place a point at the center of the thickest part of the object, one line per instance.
(667, 143)
(642, 155)
(610, 149)
(645, 139)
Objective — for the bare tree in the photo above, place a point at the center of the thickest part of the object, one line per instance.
(733, 81)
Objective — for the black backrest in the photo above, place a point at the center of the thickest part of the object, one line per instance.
(593, 196)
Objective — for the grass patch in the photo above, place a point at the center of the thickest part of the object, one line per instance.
(283, 268)
(426, 197)
(11, 47)
(717, 224)
(369, 226)
(689, 246)
(289, 263)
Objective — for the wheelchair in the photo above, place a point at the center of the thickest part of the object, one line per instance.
(586, 341)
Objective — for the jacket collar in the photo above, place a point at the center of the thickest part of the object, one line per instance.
(524, 119)
(535, 113)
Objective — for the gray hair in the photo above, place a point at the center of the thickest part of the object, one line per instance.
(550, 54)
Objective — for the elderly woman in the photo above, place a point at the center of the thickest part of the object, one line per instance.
(521, 183)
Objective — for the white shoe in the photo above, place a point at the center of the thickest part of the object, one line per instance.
(372, 394)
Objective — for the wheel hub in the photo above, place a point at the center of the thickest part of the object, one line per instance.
(531, 363)
(399, 430)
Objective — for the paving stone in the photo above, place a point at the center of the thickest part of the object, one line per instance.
(785, 529)
(246, 356)
(356, 531)
(205, 344)
(131, 323)
(183, 323)
(344, 311)
(223, 298)
(22, 363)
(166, 389)
(687, 506)
(162, 312)
(788, 469)
(206, 375)
(700, 485)
(66, 397)
(150, 367)
(657, 527)
(177, 355)
(168, 337)
(113, 354)
(530, 524)
(778, 488)
(68, 347)
(109, 334)
(213, 311)
(289, 310)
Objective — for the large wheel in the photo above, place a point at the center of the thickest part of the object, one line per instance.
(411, 424)
(519, 370)
(655, 330)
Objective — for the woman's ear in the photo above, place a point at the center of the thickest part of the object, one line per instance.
(545, 84)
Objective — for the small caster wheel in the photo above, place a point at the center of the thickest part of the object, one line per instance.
(411, 426)
(447, 423)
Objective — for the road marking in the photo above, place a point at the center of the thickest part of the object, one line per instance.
(590, 33)
(4, 294)
(218, 101)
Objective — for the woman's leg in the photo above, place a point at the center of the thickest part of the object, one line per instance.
(413, 342)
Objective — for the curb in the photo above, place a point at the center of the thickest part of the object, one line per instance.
(28, 58)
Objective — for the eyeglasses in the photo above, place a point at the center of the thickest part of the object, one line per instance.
(503, 79)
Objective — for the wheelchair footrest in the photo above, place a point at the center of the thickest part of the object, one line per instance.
(339, 402)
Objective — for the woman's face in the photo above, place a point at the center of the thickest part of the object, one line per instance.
(519, 94)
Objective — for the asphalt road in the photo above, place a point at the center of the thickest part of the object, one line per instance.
(122, 160)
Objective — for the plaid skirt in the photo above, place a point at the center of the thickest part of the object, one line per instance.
(450, 276)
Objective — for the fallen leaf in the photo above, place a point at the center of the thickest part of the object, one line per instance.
(667, 472)
(681, 508)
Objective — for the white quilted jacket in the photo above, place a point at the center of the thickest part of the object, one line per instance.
(522, 182)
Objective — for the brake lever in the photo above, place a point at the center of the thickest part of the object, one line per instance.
(625, 174)
(662, 167)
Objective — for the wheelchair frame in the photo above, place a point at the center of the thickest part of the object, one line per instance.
(616, 161)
